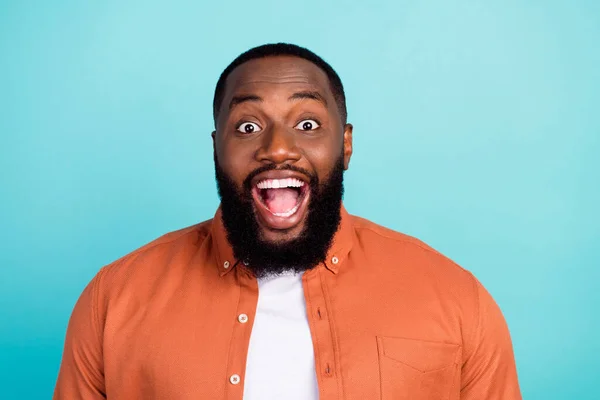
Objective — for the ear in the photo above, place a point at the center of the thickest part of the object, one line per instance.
(347, 145)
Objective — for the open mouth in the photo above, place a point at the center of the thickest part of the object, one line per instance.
(281, 202)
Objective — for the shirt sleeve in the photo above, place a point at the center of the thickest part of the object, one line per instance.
(81, 375)
(489, 370)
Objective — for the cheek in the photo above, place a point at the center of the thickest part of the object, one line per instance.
(323, 155)
(235, 160)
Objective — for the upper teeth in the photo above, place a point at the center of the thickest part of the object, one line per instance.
(279, 183)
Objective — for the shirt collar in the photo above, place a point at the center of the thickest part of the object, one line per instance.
(336, 255)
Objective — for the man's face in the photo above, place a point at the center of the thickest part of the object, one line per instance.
(280, 151)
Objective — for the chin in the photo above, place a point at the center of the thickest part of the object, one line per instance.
(274, 236)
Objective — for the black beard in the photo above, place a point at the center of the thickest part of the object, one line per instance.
(265, 258)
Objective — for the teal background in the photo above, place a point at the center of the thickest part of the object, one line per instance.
(477, 130)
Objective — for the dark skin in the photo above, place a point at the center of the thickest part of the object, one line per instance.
(280, 110)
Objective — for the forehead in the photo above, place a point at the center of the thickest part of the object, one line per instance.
(277, 72)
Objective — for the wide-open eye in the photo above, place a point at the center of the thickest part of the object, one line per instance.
(307, 125)
(248, 127)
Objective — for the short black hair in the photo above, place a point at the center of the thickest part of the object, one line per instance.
(282, 49)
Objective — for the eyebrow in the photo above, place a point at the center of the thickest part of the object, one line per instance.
(237, 100)
(312, 95)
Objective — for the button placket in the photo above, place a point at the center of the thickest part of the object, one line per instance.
(242, 327)
(323, 338)
(235, 379)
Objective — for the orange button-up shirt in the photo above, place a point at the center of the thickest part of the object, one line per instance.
(390, 318)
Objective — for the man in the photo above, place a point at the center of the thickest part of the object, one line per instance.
(283, 294)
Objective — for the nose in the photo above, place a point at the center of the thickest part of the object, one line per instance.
(278, 147)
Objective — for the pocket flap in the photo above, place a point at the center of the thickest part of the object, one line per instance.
(424, 356)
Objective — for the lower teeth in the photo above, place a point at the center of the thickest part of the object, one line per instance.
(288, 213)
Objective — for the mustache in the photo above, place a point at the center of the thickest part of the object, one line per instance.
(312, 178)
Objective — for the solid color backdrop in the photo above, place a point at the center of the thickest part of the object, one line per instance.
(476, 130)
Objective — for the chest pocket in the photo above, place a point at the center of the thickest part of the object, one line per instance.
(416, 369)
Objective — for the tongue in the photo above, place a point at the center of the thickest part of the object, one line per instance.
(280, 200)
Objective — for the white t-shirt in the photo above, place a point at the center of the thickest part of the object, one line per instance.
(281, 362)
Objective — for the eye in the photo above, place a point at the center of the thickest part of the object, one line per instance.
(307, 125)
(248, 127)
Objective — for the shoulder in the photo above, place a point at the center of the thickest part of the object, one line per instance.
(419, 273)
(157, 255)
(366, 228)
(408, 253)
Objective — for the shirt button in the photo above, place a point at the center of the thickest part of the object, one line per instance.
(243, 318)
(335, 260)
(234, 379)
(226, 264)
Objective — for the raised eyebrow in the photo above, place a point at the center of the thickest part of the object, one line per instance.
(237, 100)
(309, 94)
